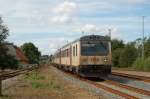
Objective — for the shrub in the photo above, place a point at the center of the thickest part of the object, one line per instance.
(128, 56)
(141, 64)
(115, 57)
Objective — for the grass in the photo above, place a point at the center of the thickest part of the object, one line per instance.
(38, 81)
(46, 85)
(141, 64)
(34, 76)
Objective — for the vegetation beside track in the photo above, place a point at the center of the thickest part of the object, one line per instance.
(44, 83)
(130, 55)
(36, 81)
(141, 64)
(6, 60)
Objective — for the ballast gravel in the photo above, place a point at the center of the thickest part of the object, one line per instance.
(86, 85)
(131, 82)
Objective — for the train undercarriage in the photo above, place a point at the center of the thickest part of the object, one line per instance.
(87, 70)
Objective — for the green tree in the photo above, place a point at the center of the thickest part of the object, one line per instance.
(147, 48)
(4, 32)
(116, 56)
(31, 51)
(117, 44)
(128, 55)
(117, 47)
(6, 61)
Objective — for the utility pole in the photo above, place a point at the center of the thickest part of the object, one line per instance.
(109, 33)
(143, 17)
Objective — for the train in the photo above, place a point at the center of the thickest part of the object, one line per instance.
(88, 56)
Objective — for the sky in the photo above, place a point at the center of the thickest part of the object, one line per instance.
(49, 24)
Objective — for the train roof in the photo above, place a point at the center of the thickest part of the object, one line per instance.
(89, 37)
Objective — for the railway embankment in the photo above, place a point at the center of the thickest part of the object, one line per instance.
(44, 83)
(48, 82)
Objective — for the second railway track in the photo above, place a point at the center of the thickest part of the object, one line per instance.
(127, 95)
(7, 75)
(136, 77)
(131, 88)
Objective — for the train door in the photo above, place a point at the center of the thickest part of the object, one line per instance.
(60, 57)
(70, 55)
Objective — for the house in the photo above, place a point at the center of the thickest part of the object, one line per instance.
(17, 53)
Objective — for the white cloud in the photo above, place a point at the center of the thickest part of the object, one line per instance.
(66, 7)
(91, 28)
(100, 30)
(63, 13)
(61, 19)
(39, 16)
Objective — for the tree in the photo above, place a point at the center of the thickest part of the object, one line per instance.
(6, 61)
(128, 55)
(50, 58)
(117, 47)
(147, 48)
(116, 56)
(4, 32)
(32, 53)
(117, 44)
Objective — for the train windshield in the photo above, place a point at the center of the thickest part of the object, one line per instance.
(100, 48)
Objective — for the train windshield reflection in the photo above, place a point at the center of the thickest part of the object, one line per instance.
(94, 49)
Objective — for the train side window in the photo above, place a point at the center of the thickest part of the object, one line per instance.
(67, 53)
(76, 50)
(73, 51)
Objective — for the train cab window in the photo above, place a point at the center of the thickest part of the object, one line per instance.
(76, 50)
(97, 48)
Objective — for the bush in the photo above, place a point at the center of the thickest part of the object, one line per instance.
(141, 64)
(115, 57)
(128, 56)
(6, 60)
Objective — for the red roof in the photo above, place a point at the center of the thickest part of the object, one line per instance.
(20, 55)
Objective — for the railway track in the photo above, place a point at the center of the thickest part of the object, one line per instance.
(111, 90)
(136, 77)
(117, 92)
(134, 89)
(7, 75)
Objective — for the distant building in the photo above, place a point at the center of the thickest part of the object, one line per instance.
(17, 53)
(44, 57)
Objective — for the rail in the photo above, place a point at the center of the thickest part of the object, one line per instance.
(128, 87)
(4, 76)
(101, 86)
(136, 77)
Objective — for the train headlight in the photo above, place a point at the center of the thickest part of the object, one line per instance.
(105, 59)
